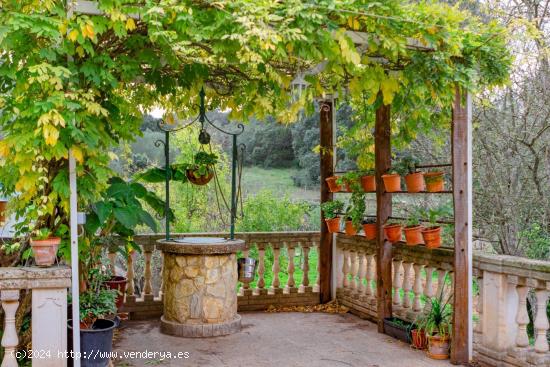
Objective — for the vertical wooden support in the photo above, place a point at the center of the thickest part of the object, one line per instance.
(327, 170)
(382, 149)
(461, 348)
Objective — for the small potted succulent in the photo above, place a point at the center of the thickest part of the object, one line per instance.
(432, 234)
(435, 181)
(331, 209)
(369, 227)
(368, 181)
(393, 232)
(414, 180)
(44, 247)
(413, 229)
(201, 171)
(333, 185)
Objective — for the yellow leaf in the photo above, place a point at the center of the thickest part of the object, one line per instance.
(80, 51)
(389, 87)
(73, 35)
(51, 134)
(4, 148)
(130, 24)
(88, 31)
(77, 153)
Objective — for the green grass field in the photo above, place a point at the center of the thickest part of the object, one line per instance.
(278, 181)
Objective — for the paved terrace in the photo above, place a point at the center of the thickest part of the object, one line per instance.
(277, 339)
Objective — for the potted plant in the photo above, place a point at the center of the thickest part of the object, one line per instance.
(97, 320)
(44, 247)
(392, 181)
(437, 326)
(201, 171)
(397, 328)
(3, 209)
(350, 229)
(413, 229)
(333, 185)
(432, 234)
(330, 212)
(435, 181)
(355, 211)
(414, 180)
(393, 232)
(369, 227)
(351, 181)
(419, 340)
(368, 181)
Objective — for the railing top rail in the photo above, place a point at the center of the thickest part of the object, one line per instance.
(513, 265)
(35, 277)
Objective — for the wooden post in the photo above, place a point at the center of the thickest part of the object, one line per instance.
(461, 348)
(382, 149)
(327, 170)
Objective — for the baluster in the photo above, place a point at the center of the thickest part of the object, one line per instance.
(276, 282)
(305, 268)
(290, 283)
(260, 285)
(417, 289)
(317, 286)
(130, 297)
(148, 287)
(371, 263)
(362, 273)
(541, 322)
(10, 303)
(397, 283)
(407, 286)
(245, 289)
(522, 317)
(354, 269)
(345, 268)
(429, 289)
(478, 328)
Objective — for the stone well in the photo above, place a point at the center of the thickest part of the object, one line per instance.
(200, 283)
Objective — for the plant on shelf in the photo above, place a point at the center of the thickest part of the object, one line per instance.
(432, 234)
(413, 228)
(331, 209)
(44, 246)
(201, 171)
(333, 183)
(393, 231)
(369, 227)
(437, 324)
(368, 180)
(435, 181)
(354, 212)
(414, 180)
(351, 181)
(392, 179)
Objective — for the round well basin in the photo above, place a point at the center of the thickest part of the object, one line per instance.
(199, 286)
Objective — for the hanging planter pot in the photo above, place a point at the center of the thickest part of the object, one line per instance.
(438, 347)
(435, 181)
(415, 182)
(196, 179)
(368, 183)
(392, 182)
(392, 232)
(350, 228)
(413, 235)
(45, 250)
(333, 224)
(333, 186)
(3, 207)
(370, 230)
(432, 237)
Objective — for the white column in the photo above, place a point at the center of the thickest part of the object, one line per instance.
(417, 289)
(522, 317)
(397, 283)
(10, 303)
(541, 322)
(407, 286)
(305, 267)
(362, 273)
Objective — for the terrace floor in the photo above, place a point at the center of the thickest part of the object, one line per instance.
(274, 339)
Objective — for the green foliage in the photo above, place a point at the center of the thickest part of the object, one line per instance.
(537, 242)
(265, 212)
(439, 320)
(41, 234)
(356, 208)
(405, 165)
(202, 164)
(415, 216)
(332, 208)
(97, 302)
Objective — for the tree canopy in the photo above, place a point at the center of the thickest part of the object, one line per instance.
(82, 82)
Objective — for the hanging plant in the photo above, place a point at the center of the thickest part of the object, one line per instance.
(201, 171)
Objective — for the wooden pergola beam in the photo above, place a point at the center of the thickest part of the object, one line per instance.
(382, 152)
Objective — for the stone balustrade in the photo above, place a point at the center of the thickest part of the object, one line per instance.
(49, 313)
(282, 246)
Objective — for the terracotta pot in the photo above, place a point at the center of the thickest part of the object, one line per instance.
(438, 347)
(350, 229)
(434, 181)
(392, 182)
(415, 182)
(432, 237)
(393, 232)
(3, 205)
(347, 186)
(201, 180)
(45, 251)
(368, 183)
(118, 283)
(419, 339)
(332, 185)
(413, 235)
(333, 224)
(370, 231)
